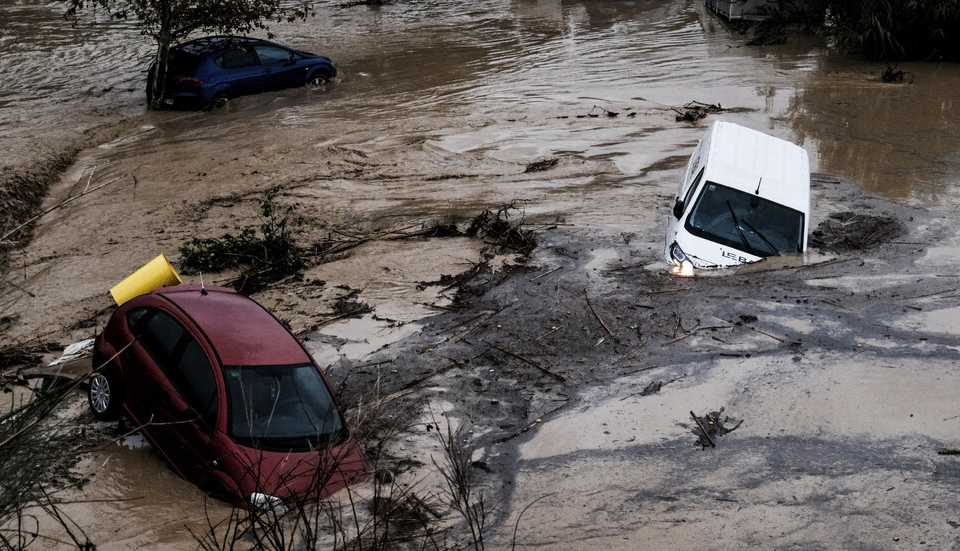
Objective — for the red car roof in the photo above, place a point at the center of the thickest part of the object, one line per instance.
(241, 331)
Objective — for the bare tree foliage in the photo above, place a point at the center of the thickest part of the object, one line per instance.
(32, 444)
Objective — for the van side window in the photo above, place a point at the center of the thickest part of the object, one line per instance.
(693, 187)
(694, 161)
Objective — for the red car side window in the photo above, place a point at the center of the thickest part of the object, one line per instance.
(160, 336)
(134, 317)
(196, 382)
(180, 358)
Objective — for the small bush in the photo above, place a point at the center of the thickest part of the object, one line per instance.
(265, 257)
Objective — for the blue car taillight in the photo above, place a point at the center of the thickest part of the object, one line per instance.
(190, 82)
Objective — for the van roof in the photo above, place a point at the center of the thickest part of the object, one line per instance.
(743, 159)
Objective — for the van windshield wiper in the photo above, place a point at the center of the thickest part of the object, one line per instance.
(736, 224)
(761, 236)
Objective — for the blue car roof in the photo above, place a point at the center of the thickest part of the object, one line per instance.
(209, 44)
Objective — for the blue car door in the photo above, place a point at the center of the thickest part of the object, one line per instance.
(280, 67)
(241, 72)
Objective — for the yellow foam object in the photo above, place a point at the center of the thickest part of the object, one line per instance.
(153, 275)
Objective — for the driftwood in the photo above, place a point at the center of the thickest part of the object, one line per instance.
(702, 428)
(603, 323)
(553, 374)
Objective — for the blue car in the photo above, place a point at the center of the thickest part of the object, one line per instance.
(207, 72)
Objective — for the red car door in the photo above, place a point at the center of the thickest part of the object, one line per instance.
(163, 401)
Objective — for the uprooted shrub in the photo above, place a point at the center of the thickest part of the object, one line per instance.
(500, 230)
(264, 257)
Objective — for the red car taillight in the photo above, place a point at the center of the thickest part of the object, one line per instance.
(189, 81)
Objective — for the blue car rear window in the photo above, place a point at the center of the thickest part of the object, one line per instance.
(232, 59)
(182, 63)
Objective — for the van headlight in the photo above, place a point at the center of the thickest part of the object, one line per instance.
(267, 502)
(682, 266)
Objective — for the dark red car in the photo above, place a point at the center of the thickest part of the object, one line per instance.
(226, 394)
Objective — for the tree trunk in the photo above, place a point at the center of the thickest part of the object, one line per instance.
(157, 77)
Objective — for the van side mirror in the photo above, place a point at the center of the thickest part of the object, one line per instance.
(678, 209)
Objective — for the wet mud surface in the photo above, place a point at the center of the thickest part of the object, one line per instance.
(576, 368)
(580, 375)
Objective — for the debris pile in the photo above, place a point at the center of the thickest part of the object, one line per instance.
(711, 426)
(540, 166)
(892, 75)
(265, 257)
(504, 229)
(847, 231)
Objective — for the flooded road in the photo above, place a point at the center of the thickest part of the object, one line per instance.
(438, 110)
(506, 82)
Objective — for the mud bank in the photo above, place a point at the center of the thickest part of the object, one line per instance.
(24, 186)
(576, 377)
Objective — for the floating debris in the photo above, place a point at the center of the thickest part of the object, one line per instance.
(891, 75)
(696, 110)
(540, 166)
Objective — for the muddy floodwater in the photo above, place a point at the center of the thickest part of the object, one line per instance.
(439, 111)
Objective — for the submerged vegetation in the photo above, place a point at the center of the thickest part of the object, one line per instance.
(894, 29)
(880, 29)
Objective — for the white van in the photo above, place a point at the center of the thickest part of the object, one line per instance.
(745, 196)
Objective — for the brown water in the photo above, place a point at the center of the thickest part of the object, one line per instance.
(493, 80)
(438, 109)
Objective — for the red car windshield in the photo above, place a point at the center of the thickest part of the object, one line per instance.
(283, 408)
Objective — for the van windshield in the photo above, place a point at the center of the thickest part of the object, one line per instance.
(746, 222)
(286, 407)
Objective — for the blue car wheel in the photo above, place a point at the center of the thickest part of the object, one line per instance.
(318, 79)
(219, 101)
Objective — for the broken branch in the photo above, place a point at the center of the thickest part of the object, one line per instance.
(546, 273)
(705, 433)
(774, 337)
(557, 376)
(55, 207)
(632, 351)
(603, 323)
(548, 333)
